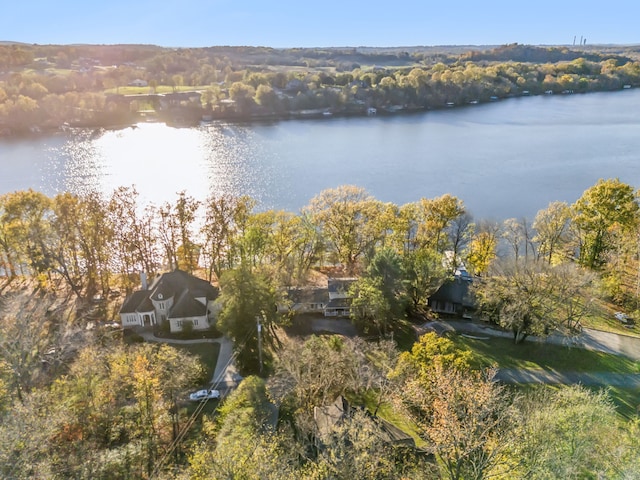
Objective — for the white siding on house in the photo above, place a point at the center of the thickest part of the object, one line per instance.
(163, 306)
(129, 319)
(199, 323)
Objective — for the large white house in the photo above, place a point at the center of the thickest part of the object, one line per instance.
(175, 297)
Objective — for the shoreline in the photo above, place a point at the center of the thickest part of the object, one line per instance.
(178, 121)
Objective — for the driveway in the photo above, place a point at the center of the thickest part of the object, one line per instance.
(334, 325)
(611, 342)
(225, 376)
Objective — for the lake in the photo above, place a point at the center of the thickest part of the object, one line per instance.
(508, 158)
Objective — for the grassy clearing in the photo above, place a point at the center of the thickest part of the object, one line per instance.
(541, 356)
(404, 335)
(532, 355)
(625, 400)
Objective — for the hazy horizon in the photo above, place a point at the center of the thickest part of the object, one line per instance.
(204, 23)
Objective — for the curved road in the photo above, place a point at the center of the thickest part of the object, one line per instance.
(508, 375)
(589, 339)
(225, 375)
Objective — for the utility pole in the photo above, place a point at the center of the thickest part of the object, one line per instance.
(176, 427)
(259, 342)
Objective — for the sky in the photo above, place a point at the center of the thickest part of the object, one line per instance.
(328, 23)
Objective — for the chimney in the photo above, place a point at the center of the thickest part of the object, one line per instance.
(143, 280)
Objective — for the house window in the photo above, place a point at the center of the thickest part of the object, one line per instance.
(179, 323)
(195, 322)
(161, 305)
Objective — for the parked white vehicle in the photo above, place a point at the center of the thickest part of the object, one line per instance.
(204, 395)
(623, 317)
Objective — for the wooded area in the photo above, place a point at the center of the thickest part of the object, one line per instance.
(80, 403)
(45, 87)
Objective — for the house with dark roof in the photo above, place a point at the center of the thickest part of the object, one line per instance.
(454, 297)
(304, 300)
(175, 298)
(339, 298)
(138, 82)
(332, 301)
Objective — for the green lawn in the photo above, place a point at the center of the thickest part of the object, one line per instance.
(605, 321)
(529, 355)
(627, 400)
(532, 355)
(207, 352)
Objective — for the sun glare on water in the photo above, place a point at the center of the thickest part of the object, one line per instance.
(160, 161)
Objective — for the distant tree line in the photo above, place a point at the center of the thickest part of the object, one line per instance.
(49, 86)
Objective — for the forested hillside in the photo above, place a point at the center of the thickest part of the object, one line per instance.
(48, 86)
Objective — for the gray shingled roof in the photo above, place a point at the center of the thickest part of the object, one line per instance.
(307, 295)
(327, 417)
(187, 306)
(173, 283)
(137, 302)
(455, 291)
(183, 287)
(340, 285)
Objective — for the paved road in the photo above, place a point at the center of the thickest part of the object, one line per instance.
(508, 375)
(589, 339)
(225, 377)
